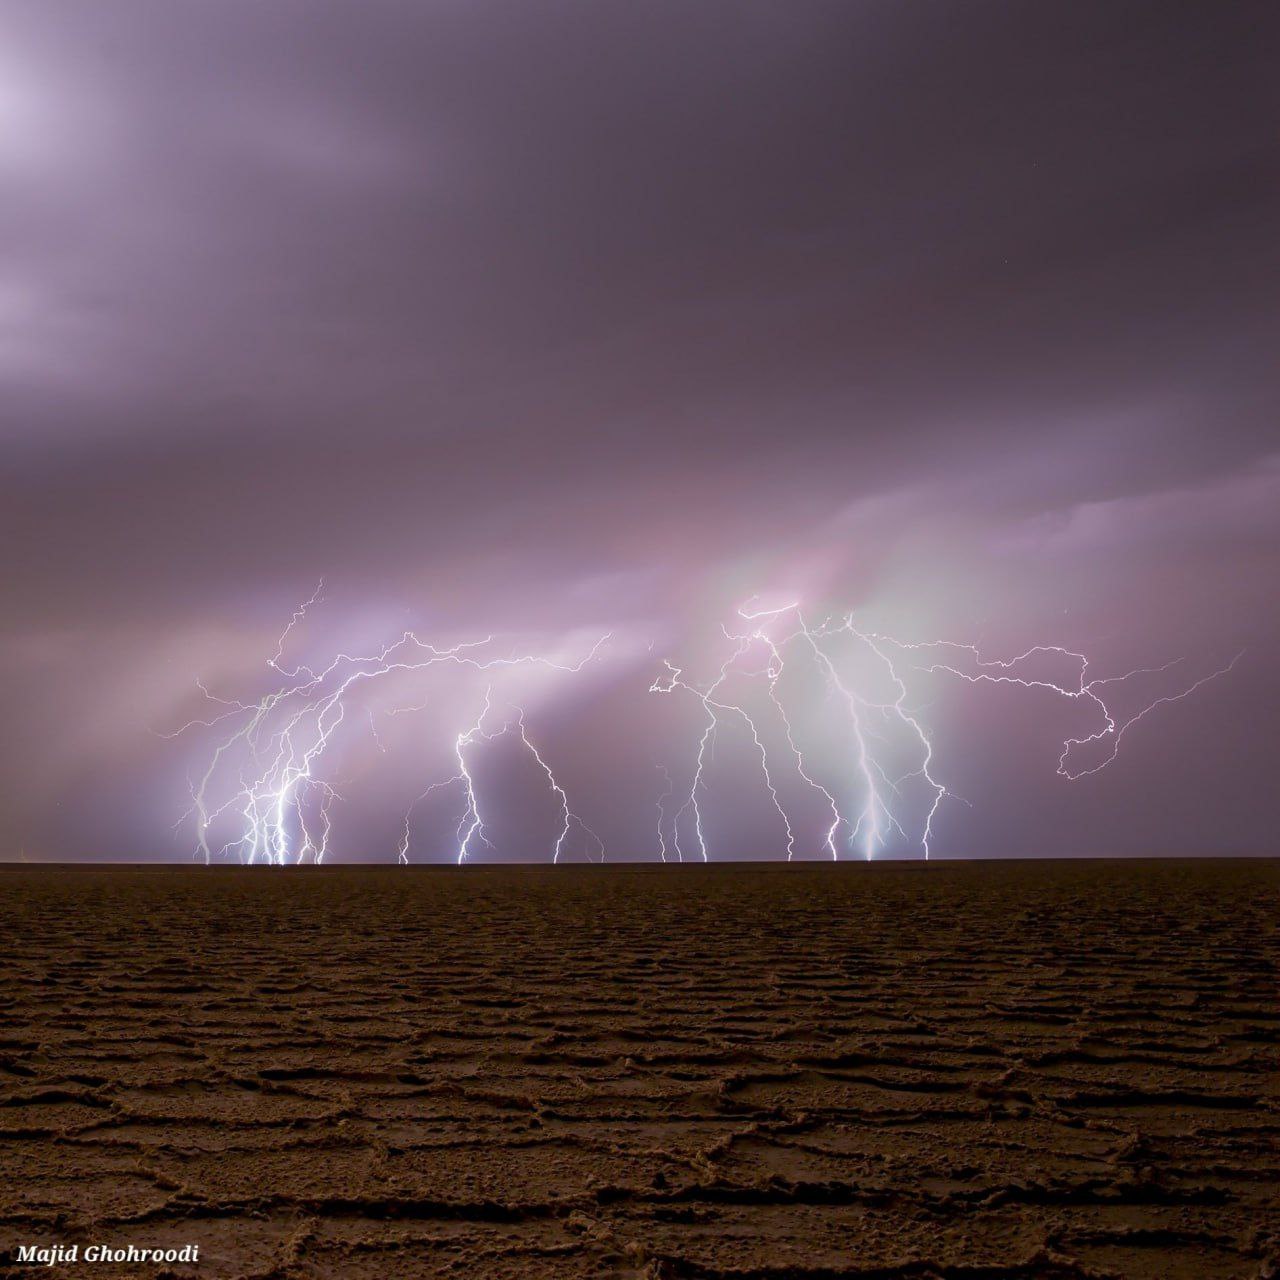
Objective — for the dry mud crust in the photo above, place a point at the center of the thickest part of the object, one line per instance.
(979, 1070)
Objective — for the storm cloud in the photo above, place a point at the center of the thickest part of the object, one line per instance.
(539, 318)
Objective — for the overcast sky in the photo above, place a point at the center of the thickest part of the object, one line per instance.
(550, 319)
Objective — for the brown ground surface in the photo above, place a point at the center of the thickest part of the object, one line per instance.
(984, 1070)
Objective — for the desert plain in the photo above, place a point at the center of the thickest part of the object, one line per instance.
(963, 1071)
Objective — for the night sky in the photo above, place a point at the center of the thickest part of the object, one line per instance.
(548, 320)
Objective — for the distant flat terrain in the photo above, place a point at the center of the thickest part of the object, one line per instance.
(967, 1070)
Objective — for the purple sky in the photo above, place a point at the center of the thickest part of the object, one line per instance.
(550, 319)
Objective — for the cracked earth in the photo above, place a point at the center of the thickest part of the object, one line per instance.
(967, 1070)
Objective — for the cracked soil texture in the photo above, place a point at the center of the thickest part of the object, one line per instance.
(980, 1070)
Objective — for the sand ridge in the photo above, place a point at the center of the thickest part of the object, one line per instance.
(970, 1070)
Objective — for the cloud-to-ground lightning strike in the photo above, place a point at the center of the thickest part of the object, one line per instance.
(471, 826)
(282, 807)
(876, 814)
(860, 752)
(880, 727)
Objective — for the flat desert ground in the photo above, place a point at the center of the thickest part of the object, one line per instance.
(966, 1070)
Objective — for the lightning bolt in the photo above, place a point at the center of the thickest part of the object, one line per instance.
(282, 806)
(471, 825)
(1004, 671)
(570, 818)
(881, 726)
(861, 753)
(661, 806)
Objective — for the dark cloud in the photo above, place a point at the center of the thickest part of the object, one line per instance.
(540, 315)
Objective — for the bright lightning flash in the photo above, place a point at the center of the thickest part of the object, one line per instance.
(797, 695)
(866, 678)
(280, 805)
